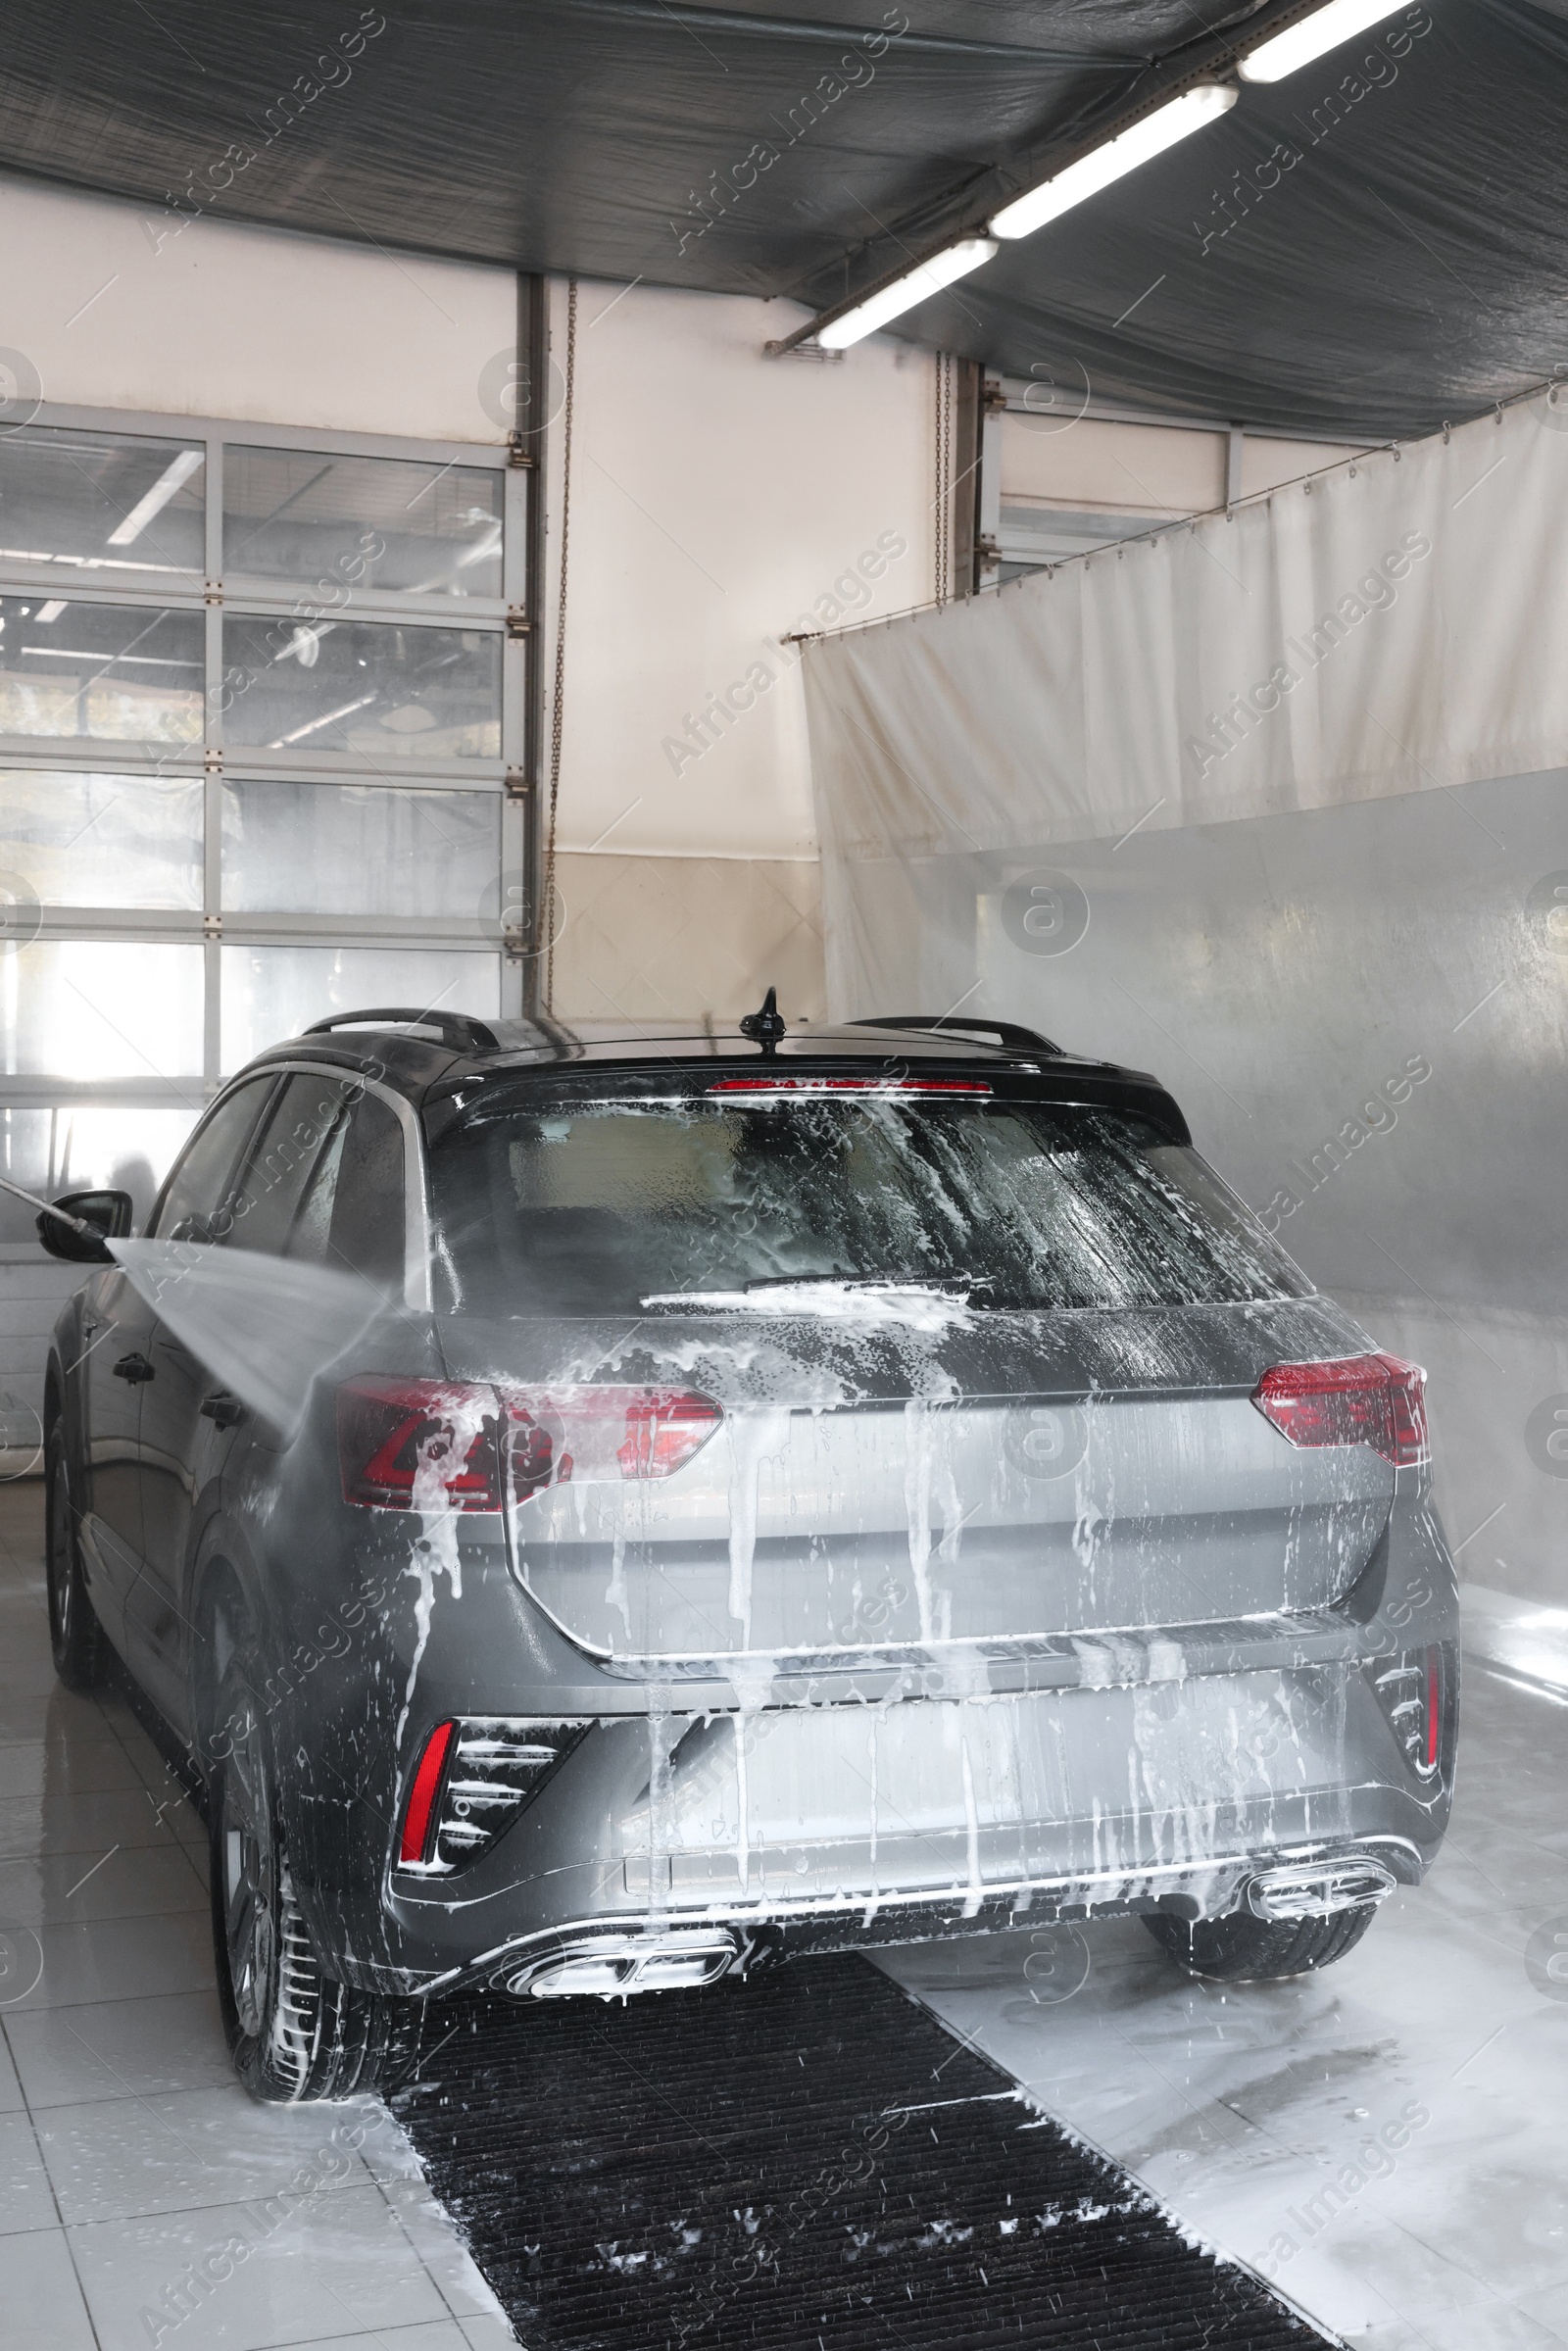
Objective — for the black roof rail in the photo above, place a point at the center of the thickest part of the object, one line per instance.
(1008, 1034)
(460, 1030)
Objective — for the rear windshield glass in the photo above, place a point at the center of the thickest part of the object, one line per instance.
(575, 1208)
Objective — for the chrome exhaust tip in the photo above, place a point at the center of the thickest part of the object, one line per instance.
(1316, 1889)
(612, 1965)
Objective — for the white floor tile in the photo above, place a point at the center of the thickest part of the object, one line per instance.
(120, 2048)
(40, 2298)
(429, 2335)
(131, 1958)
(69, 1768)
(136, 1882)
(126, 2158)
(317, 2266)
(26, 2197)
(87, 1824)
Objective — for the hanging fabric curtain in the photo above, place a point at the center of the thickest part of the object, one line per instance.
(1390, 627)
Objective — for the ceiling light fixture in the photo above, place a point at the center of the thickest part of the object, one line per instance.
(915, 285)
(1317, 33)
(173, 477)
(1095, 170)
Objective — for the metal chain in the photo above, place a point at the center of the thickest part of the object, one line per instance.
(943, 498)
(557, 707)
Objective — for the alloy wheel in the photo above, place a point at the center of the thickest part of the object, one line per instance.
(250, 1874)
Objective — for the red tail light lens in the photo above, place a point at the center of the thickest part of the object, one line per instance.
(434, 1444)
(663, 1429)
(422, 1794)
(418, 1445)
(1360, 1399)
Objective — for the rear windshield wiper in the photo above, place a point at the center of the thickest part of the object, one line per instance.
(961, 1285)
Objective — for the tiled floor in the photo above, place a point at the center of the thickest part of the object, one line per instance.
(1257, 2111)
(129, 2157)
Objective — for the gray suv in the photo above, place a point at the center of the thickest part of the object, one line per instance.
(782, 1492)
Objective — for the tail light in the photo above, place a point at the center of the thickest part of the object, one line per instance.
(439, 1445)
(474, 1778)
(1413, 1694)
(899, 1086)
(1360, 1399)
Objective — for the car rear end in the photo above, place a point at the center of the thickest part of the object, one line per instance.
(852, 1500)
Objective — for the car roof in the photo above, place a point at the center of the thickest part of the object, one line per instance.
(417, 1053)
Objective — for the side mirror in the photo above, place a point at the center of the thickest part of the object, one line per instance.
(109, 1213)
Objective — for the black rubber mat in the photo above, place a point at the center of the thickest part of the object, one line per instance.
(804, 2162)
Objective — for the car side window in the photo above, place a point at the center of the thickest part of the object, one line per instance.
(363, 1225)
(303, 1129)
(198, 1190)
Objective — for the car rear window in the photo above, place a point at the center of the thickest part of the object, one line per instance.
(567, 1206)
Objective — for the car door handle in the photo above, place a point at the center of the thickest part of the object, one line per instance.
(135, 1368)
(226, 1411)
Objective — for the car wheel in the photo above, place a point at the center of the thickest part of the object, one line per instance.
(295, 2036)
(1242, 1949)
(76, 1637)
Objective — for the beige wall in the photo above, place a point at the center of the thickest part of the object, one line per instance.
(658, 938)
(118, 306)
(1093, 462)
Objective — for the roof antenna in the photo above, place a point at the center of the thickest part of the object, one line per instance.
(766, 1026)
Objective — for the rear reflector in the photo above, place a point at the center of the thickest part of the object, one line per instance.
(422, 1795)
(474, 1778)
(1410, 1692)
(1358, 1399)
(899, 1086)
(442, 1445)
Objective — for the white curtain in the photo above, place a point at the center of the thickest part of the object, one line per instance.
(1397, 625)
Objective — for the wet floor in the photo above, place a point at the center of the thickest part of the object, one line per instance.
(132, 2166)
(1386, 2142)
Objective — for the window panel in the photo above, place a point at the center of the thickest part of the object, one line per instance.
(200, 1199)
(276, 991)
(338, 522)
(112, 503)
(77, 1147)
(104, 840)
(358, 849)
(107, 672)
(90, 1008)
(377, 689)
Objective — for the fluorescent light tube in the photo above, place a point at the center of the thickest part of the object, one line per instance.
(916, 285)
(1095, 170)
(1324, 29)
(173, 477)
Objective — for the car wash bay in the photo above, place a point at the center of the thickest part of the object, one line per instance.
(511, 583)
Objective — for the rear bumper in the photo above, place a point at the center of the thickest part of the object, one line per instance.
(956, 1794)
(785, 1833)
(662, 1952)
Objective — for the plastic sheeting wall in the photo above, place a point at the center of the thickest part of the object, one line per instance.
(1339, 933)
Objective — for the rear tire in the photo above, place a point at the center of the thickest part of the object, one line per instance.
(77, 1639)
(295, 2036)
(1243, 1949)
